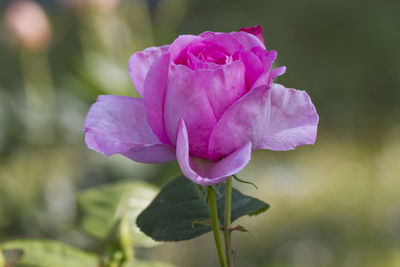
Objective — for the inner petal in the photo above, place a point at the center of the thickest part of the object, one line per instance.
(213, 54)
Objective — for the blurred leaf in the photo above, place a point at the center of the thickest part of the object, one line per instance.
(10, 256)
(173, 214)
(137, 263)
(102, 207)
(2, 259)
(46, 253)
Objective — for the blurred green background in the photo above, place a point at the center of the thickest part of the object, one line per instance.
(336, 203)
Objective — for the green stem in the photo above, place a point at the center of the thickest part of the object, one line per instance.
(227, 221)
(212, 202)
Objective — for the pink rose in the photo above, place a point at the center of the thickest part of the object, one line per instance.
(207, 101)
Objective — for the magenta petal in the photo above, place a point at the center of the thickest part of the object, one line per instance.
(179, 47)
(256, 31)
(204, 172)
(140, 62)
(117, 124)
(293, 120)
(225, 41)
(186, 98)
(154, 94)
(157, 153)
(248, 41)
(277, 72)
(254, 66)
(243, 122)
(224, 85)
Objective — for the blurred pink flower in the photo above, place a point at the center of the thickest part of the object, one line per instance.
(27, 21)
(207, 101)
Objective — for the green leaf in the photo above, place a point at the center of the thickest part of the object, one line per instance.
(46, 253)
(173, 214)
(102, 207)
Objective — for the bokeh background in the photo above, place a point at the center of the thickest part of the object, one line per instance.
(336, 203)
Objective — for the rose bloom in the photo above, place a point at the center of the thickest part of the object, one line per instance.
(207, 101)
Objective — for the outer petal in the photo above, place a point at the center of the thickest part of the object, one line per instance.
(254, 66)
(117, 124)
(293, 120)
(224, 85)
(204, 172)
(267, 76)
(243, 122)
(247, 40)
(155, 86)
(277, 72)
(256, 31)
(140, 62)
(186, 98)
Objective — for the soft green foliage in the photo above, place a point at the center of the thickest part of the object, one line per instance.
(102, 207)
(137, 263)
(46, 253)
(2, 259)
(180, 212)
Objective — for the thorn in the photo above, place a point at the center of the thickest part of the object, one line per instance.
(242, 229)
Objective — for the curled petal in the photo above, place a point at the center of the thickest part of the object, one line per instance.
(248, 41)
(140, 62)
(254, 67)
(186, 98)
(178, 48)
(223, 85)
(204, 172)
(243, 122)
(117, 124)
(154, 94)
(268, 75)
(277, 72)
(256, 31)
(293, 120)
(225, 41)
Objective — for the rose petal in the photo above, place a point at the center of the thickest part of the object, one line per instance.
(179, 48)
(225, 41)
(223, 86)
(243, 122)
(117, 124)
(293, 120)
(256, 31)
(267, 77)
(247, 40)
(154, 94)
(254, 66)
(186, 98)
(266, 57)
(204, 172)
(207, 34)
(277, 72)
(157, 153)
(140, 62)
